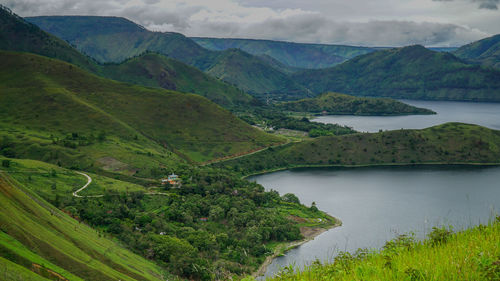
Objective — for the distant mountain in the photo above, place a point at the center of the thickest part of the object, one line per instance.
(148, 70)
(443, 49)
(485, 52)
(255, 76)
(155, 70)
(279, 65)
(18, 35)
(412, 72)
(111, 39)
(114, 39)
(335, 103)
(298, 55)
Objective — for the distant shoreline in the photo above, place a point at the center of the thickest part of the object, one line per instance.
(369, 165)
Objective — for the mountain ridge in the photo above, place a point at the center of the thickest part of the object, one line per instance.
(485, 52)
(411, 72)
(19, 35)
(98, 37)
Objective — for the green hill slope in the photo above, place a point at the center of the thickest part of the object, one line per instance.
(156, 70)
(36, 236)
(411, 72)
(299, 55)
(254, 76)
(110, 39)
(447, 143)
(335, 103)
(485, 52)
(46, 95)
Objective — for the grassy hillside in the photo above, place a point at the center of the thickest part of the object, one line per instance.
(485, 52)
(36, 236)
(447, 143)
(51, 97)
(298, 55)
(111, 39)
(254, 76)
(335, 103)
(473, 254)
(155, 70)
(410, 72)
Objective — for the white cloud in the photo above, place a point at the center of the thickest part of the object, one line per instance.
(359, 22)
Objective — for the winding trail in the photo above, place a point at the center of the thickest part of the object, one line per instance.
(89, 181)
(244, 154)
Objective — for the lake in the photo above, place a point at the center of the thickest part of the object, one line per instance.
(484, 114)
(376, 204)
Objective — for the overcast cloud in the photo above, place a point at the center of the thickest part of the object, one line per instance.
(482, 4)
(356, 22)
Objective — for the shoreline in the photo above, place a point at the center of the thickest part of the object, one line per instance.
(369, 165)
(316, 231)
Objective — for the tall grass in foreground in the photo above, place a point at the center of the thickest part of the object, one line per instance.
(473, 254)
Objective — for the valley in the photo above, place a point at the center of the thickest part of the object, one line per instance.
(141, 149)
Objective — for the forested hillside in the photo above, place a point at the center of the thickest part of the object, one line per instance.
(412, 72)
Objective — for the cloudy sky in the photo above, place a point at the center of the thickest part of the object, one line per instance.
(355, 22)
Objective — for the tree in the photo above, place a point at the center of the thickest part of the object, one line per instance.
(290, 198)
(171, 249)
(6, 163)
(313, 207)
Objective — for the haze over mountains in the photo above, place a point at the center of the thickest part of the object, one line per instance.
(298, 55)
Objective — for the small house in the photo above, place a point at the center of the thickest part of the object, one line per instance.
(172, 179)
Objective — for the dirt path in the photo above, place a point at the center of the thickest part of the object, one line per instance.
(244, 154)
(89, 181)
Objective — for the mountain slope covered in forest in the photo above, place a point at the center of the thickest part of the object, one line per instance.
(412, 72)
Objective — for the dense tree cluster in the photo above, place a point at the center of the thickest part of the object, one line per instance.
(214, 226)
(274, 118)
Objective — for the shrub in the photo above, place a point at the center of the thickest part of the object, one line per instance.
(6, 163)
(439, 235)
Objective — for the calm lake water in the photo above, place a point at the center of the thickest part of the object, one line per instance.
(377, 204)
(484, 114)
